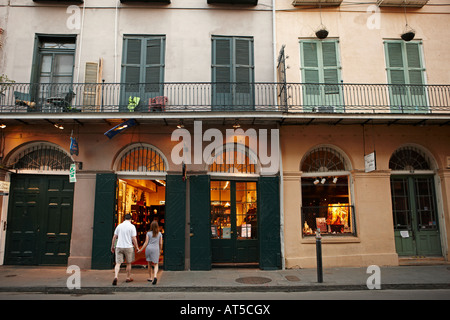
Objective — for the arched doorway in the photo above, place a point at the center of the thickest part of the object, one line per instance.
(234, 205)
(40, 206)
(141, 190)
(414, 206)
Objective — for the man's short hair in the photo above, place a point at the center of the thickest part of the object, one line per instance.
(128, 216)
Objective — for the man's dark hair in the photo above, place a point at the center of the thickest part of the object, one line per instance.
(128, 216)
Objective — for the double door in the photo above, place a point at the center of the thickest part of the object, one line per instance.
(234, 222)
(415, 216)
(39, 220)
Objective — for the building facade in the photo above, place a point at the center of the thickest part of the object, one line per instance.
(230, 123)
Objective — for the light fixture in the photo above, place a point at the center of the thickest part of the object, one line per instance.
(323, 180)
(180, 124)
(316, 181)
(335, 179)
(59, 126)
(2, 126)
(236, 125)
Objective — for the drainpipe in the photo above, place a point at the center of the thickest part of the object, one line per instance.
(283, 264)
(81, 43)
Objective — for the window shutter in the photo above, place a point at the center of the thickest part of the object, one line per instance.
(404, 67)
(90, 76)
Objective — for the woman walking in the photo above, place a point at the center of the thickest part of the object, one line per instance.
(153, 247)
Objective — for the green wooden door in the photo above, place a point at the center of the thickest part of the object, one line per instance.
(234, 222)
(175, 222)
(200, 244)
(39, 220)
(104, 212)
(416, 225)
(269, 208)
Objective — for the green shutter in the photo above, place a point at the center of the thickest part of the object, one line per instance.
(104, 212)
(232, 62)
(269, 222)
(404, 67)
(199, 190)
(320, 65)
(175, 221)
(142, 69)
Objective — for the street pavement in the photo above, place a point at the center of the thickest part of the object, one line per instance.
(73, 280)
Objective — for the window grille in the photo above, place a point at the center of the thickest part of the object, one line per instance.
(409, 159)
(233, 160)
(42, 157)
(142, 159)
(323, 160)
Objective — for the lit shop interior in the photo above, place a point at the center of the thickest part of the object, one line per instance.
(233, 208)
(145, 201)
(326, 206)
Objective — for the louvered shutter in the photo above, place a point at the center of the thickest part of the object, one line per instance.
(232, 73)
(243, 73)
(320, 65)
(405, 71)
(222, 76)
(90, 89)
(142, 70)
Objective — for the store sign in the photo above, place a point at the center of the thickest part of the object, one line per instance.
(73, 173)
(4, 188)
(370, 162)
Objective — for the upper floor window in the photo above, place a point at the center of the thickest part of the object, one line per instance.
(405, 70)
(232, 73)
(142, 70)
(321, 74)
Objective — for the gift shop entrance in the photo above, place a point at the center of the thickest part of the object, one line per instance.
(234, 222)
(145, 201)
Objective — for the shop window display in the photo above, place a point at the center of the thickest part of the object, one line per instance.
(326, 206)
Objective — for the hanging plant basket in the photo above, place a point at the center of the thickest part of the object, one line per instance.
(408, 36)
(322, 33)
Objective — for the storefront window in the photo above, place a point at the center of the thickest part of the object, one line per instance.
(246, 222)
(326, 194)
(233, 210)
(326, 206)
(220, 210)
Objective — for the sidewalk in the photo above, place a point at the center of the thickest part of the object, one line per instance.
(54, 279)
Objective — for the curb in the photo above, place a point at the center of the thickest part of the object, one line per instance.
(112, 290)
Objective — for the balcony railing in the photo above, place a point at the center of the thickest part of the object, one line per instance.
(224, 97)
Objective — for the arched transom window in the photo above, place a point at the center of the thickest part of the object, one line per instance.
(323, 159)
(409, 159)
(41, 156)
(234, 159)
(142, 158)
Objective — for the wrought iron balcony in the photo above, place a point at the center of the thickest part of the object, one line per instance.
(223, 97)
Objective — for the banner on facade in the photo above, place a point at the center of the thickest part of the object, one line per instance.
(73, 173)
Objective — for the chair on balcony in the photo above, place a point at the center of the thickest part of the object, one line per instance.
(65, 104)
(157, 104)
(24, 100)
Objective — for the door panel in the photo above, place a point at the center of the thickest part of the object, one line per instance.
(39, 220)
(234, 225)
(416, 227)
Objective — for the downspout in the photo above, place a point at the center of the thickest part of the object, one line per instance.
(81, 43)
(274, 47)
(116, 21)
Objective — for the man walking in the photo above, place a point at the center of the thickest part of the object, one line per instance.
(125, 234)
